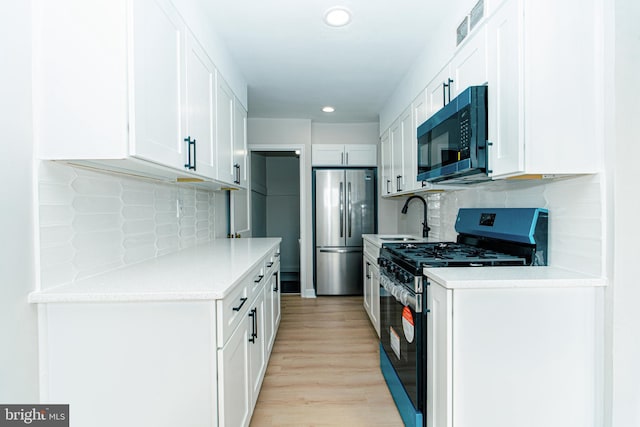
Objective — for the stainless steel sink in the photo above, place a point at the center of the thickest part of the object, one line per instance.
(398, 239)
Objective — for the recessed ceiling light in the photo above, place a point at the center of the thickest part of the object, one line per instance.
(337, 16)
(328, 109)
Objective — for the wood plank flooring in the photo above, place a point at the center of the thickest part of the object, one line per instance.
(324, 368)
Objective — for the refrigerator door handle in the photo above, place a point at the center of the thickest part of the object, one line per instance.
(341, 209)
(349, 208)
(341, 251)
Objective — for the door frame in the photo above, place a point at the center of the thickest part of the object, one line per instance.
(305, 291)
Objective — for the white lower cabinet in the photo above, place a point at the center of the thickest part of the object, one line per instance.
(371, 281)
(507, 357)
(233, 379)
(170, 363)
(257, 346)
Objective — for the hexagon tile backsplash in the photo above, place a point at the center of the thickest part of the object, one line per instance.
(92, 222)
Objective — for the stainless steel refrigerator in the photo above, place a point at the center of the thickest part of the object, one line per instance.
(344, 210)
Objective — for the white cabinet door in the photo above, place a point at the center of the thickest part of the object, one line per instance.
(372, 291)
(385, 163)
(269, 319)
(409, 151)
(158, 86)
(327, 155)
(276, 301)
(505, 106)
(469, 65)
(397, 156)
(360, 155)
(257, 360)
(366, 280)
(420, 107)
(201, 108)
(233, 379)
(438, 91)
(224, 133)
(439, 353)
(375, 297)
(240, 143)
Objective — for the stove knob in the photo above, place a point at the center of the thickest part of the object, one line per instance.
(407, 278)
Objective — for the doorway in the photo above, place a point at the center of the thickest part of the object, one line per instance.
(275, 208)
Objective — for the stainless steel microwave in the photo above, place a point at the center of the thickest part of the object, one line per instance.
(452, 144)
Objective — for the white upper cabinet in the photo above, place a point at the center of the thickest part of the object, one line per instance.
(343, 155)
(469, 65)
(398, 147)
(385, 162)
(224, 138)
(240, 144)
(124, 85)
(467, 68)
(158, 84)
(201, 109)
(528, 134)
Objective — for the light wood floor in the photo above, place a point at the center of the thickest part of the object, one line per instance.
(324, 368)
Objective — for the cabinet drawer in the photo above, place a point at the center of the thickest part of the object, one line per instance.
(231, 310)
(371, 250)
(271, 260)
(256, 280)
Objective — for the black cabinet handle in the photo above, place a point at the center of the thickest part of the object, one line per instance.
(252, 314)
(388, 182)
(236, 178)
(277, 254)
(398, 181)
(269, 265)
(191, 145)
(259, 279)
(276, 288)
(446, 87)
(241, 304)
(254, 325)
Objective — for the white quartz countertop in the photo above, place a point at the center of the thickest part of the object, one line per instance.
(206, 271)
(510, 277)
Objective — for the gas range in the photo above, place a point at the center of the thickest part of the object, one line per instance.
(486, 237)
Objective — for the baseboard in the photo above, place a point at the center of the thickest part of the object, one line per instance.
(308, 293)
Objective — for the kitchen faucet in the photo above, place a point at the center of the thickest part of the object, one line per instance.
(425, 227)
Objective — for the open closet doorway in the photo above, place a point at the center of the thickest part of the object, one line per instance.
(275, 208)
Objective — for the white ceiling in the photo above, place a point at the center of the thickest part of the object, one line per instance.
(295, 64)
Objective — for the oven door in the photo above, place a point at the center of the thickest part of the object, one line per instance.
(403, 354)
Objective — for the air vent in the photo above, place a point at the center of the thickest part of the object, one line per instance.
(463, 30)
(476, 15)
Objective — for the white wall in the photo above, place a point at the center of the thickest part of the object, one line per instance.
(624, 206)
(18, 320)
(344, 133)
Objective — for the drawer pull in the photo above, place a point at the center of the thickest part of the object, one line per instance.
(270, 264)
(260, 277)
(277, 255)
(241, 304)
